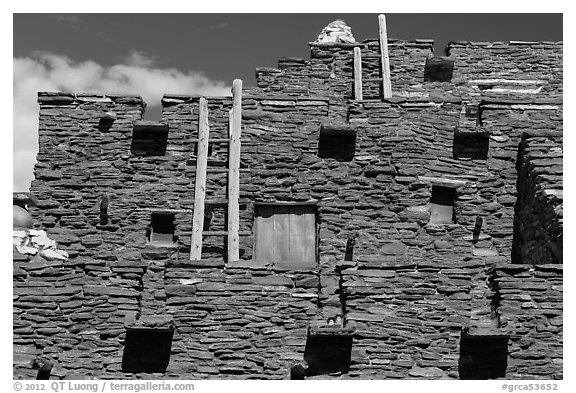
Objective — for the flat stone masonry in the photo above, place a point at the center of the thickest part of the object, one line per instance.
(399, 291)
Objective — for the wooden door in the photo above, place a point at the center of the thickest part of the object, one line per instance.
(286, 235)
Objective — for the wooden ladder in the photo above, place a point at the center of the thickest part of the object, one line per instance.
(384, 60)
(234, 130)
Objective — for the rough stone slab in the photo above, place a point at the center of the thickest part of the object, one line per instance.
(274, 280)
(148, 322)
(443, 182)
(98, 290)
(427, 372)
(331, 331)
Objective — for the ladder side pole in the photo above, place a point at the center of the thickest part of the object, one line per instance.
(386, 83)
(357, 73)
(200, 189)
(234, 172)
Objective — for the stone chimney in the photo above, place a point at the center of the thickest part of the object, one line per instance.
(337, 32)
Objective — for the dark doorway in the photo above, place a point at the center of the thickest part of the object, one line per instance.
(147, 351)
(328, 354)
(483, 357)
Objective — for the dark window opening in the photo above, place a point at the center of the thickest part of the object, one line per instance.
(298, 371)
(286, 235)
(147, 351)
(442, 201)
(483, 357)
(349, 252)
(471, 113)
(210, 149)
(162, 229)
(149, 138)
(438, 69)
(473, 145)
(106, 121)
(44, 367)
(326, 354)
(338, 142)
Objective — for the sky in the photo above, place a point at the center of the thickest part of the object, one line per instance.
(153, 54)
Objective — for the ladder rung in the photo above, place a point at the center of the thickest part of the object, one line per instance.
(224, 201)
(216, 170)
(223, 170)
(219, 201)
(225, 233)
(372, 80)
(209, 161)
(218, 140)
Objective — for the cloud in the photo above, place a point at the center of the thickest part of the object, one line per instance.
(219, 26)
(139, 59)
(73, 21)
(51, 72)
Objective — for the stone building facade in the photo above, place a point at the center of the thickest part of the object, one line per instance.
(434, 220)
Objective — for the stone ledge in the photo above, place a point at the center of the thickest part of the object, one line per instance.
(342, 45)
(337, 129)
(149, 125)
(249, 264)
(495, 102)
(26, 198)
(555, 193)
(347, 331)
(484, 332)
(542, 133)
(175, 99)
(471, 131)
(149, 322)
(79, 98)
(512, 82)
(442, 182)
(511, 267)
(200, 263)
(487, 44)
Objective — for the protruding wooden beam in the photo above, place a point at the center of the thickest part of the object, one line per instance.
(357, 73)
(200, 189)
(234, 172)
(386, 84)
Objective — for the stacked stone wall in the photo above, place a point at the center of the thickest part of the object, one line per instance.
(530, 308)
(539, 209)
(407, 287)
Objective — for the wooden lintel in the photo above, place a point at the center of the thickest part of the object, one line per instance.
(445, 182)
(385, 61)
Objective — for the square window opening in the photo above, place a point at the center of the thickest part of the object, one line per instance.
(286, 235)
(442, 202)
(438, 69)
(471, 145)
(147, 351)
(149, 139)
(328, 354)
(338, 142)
(483, 357)
(162, 230)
